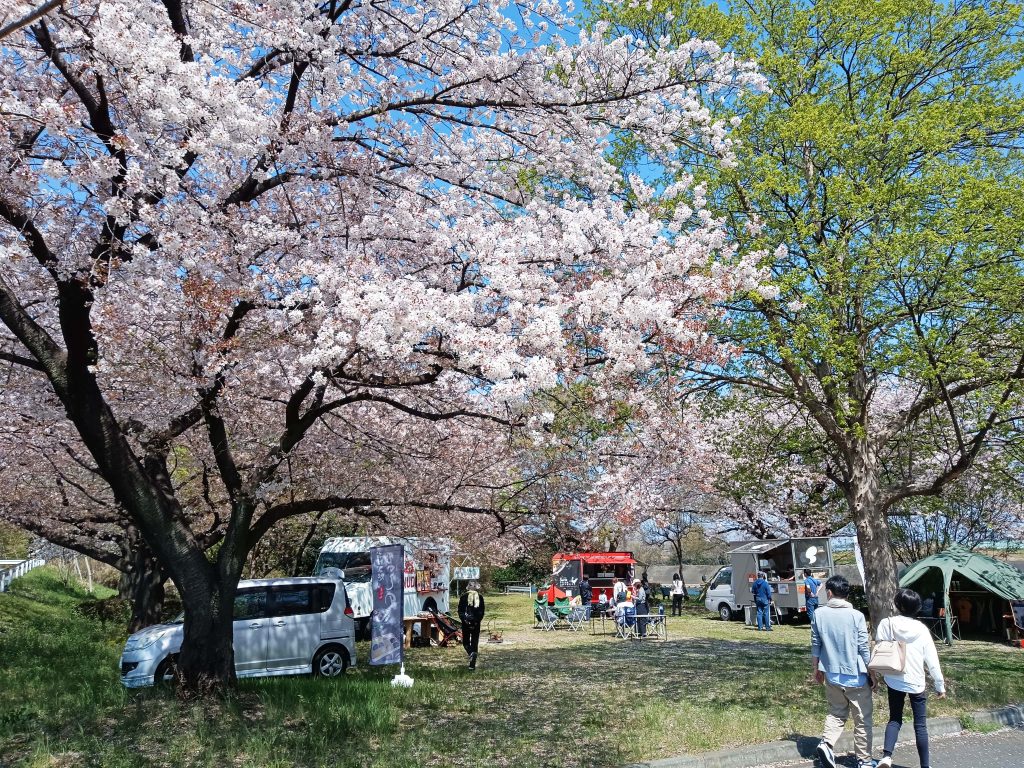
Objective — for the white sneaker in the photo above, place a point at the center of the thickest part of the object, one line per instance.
(885, 762)
(825, 754)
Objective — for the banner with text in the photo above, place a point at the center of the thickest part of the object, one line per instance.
(387, 565)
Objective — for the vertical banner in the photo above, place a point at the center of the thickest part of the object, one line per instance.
(387, 578)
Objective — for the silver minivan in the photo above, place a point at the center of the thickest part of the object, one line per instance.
(281, 627)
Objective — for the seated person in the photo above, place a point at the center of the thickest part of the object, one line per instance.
(928, 606)
(621, 606)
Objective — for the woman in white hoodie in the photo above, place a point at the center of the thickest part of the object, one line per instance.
(920, 655)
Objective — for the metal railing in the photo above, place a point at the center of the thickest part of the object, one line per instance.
(19, 569)
(516, 586)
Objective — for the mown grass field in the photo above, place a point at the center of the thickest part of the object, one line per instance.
(537, 699)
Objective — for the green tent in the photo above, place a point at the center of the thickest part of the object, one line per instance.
(994, 576)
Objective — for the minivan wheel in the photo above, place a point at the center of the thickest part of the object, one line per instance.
(166, 672)
(330, 661)
(725, 612)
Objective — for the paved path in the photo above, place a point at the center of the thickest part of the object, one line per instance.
(1003, 749)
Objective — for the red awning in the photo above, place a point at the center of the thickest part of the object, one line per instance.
(604, 558)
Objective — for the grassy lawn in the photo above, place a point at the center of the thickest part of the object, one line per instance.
(538, 699)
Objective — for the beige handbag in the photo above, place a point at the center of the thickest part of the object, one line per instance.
(888, 657)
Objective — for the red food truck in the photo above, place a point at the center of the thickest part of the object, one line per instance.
(601, 568)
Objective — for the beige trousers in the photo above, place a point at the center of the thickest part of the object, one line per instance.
(841, 702)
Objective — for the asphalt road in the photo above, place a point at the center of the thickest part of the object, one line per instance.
(1003, 749)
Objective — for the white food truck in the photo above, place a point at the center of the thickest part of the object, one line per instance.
(783, 560)
(426, 572)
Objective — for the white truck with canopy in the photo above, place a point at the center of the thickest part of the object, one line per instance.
(427, 572)
(783, 561)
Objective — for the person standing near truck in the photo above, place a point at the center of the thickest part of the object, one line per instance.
(586, 595)
(471, 614)
(762, 592)
(811, 587)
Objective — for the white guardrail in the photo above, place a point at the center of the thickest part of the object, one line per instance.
(12, 569)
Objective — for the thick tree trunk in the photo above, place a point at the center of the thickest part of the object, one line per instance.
(206, 663)
(868, 512)
(142, 583)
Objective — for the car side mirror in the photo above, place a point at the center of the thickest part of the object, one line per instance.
(703, 577)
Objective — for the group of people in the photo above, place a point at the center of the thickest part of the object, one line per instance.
(840, 654)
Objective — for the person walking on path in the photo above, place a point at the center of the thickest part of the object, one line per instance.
(840, 654)
(678, 590)
(586, 595)
(762, 592)
(471, 614)
(920, 653)
(811, 588)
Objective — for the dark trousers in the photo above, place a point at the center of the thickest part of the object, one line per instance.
(470, 637)
(641, 624)
(677, 605)
(892, 730)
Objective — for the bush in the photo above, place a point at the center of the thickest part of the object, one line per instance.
(111, 609)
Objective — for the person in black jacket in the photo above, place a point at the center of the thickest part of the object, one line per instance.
(586, 595)
(471, 614)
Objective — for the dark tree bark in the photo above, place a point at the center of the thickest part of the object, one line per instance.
(142, 583)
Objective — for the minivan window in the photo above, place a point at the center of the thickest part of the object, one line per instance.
(290, 601)
(250, 604)
(324, 594)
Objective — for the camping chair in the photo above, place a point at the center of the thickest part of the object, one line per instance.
(954, 626)
(657, 626)
(447, 628)
(562, 607)
(540, 603)
(625, 625)
(547, 618)
(577, 618)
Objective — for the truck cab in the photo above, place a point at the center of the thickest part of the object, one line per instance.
(720, 598)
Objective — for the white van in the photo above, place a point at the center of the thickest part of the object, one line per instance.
(282, 627)
(426, 578)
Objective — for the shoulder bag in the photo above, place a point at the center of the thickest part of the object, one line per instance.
(888, 657)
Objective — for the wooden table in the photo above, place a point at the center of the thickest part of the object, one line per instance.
(425, 620)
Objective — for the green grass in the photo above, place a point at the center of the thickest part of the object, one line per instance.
(538, 699)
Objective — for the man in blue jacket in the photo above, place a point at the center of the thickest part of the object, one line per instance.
(762, 592)
(840, 653)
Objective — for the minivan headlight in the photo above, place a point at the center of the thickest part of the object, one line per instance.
(138, 644)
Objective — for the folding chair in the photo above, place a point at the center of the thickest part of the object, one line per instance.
(548, 619)
(625, 625)
(447, 627)
(562, 607)
(538, 605)
(577, 618)
(657, 625)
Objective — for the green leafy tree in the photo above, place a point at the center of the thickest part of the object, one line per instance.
(882, 173)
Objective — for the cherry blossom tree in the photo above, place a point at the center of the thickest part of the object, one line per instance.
(319, 253)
